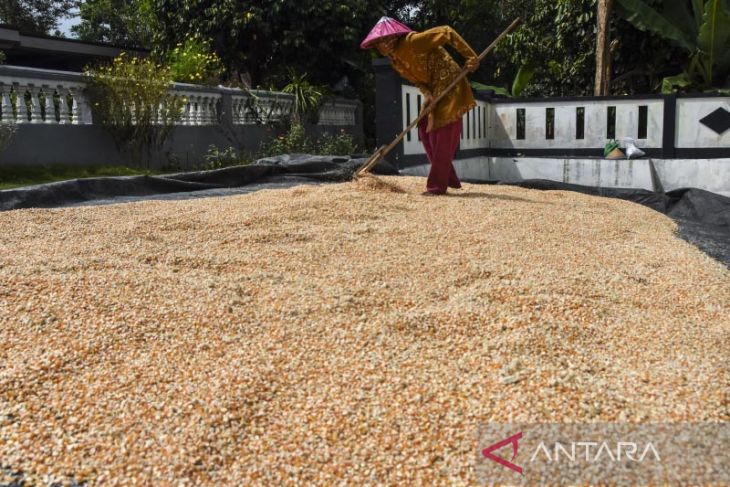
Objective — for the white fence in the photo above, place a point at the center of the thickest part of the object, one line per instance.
(39, 96)
(699, 126)
(474, 135)
(576, 124)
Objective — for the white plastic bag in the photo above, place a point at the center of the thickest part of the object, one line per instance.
(632, 152)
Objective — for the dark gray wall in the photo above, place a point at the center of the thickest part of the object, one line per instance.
(41, 144)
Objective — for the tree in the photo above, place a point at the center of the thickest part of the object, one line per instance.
(35, 16)
(123, 22)
(478, 21)
(699, 28)
(603, 74)
(267, 38)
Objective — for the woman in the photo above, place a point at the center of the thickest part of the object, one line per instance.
(421, 59)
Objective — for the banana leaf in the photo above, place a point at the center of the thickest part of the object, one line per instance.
(645, 18)
(679, 14)
(714, 38)
(523, 78)
(672, 84)
(498, 90)
(698, 8)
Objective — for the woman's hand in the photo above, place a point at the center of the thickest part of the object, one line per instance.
(472, 64)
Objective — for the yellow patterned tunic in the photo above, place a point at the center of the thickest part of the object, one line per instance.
(420, 58)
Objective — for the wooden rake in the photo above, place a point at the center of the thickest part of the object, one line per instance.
(384, 150)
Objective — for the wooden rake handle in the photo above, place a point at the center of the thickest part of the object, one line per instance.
(384, 150)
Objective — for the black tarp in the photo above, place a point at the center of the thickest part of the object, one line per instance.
(703, 217)
(287, 167)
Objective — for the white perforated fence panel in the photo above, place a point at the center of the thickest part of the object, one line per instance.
(550, 125)
(475, 131)
(692, 133)
(576, 124)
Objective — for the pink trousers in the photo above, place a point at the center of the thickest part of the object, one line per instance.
(441, 145)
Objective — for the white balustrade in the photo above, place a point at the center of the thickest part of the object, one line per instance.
(260, 107)
(197, 109)
(38, 96)
(333, 113)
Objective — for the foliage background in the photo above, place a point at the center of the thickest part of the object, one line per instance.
(261, 43)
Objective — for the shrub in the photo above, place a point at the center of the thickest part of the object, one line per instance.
(131, 100)
(217, 159)
(296, 141)
(192, 61)
(2, 57)
(307, 98)
(341, 144)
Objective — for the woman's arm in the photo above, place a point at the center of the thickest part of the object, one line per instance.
(437, 37)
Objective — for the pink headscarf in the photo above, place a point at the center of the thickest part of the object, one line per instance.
(385, 27)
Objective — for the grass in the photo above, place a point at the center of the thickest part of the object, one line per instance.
(18, 176)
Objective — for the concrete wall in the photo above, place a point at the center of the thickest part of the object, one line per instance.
(34, 145)
(65, 132)
(650, 174)
(686, 138)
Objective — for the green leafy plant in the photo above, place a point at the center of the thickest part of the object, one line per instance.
(296, 141)
(131, 100)
(558, 41)
(700, 27)
(217, 158)
(342, 144)
(307, 97)
(520, 83)
(2, 57)
(261, 113)
(192, 61)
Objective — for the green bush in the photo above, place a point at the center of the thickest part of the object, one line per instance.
(307, 98)
(2, 57)
(296, 141)
(341, 144)
(217, 159)
(131, 100)
(193, 62)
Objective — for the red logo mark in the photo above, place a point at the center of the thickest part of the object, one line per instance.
(487, 452)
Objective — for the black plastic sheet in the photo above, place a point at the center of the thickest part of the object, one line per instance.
(75, 191)
(703, 217)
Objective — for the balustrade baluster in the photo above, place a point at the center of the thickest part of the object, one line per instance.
(35, 104)
(195, 100)
(74, 106)
(187, 118)
(21, 106)
(63, 111)
(50, 107)
(6, 115)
